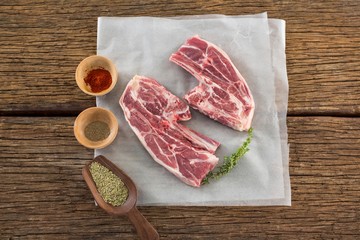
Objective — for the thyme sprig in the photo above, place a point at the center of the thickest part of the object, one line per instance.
(230, 161)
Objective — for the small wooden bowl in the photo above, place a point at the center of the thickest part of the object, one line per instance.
(144, 229)
(90, 115)
(91, 63)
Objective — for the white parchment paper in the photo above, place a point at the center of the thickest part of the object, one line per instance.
(256, 45)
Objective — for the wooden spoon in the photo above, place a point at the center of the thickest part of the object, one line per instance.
(144, 229)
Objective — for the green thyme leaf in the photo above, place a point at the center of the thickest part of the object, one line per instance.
(230, 161)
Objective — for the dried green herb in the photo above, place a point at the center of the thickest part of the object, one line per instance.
(230, 161)
(110, 186)
(97, 131)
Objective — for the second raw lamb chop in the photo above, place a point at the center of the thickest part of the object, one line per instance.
(222, 94)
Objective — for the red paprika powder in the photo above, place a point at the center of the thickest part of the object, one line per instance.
(98, 80)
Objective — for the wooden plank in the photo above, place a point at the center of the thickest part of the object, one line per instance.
(43, 195)
(43, 41)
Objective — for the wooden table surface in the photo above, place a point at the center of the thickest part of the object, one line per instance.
(42, 193)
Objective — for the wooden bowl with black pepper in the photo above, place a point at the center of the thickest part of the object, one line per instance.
(96, 75)
(95, 127)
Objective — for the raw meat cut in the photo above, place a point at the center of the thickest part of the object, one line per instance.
(152, 112)
(223, 94)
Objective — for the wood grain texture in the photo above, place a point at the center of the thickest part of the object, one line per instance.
(43, 195)
(43, 41)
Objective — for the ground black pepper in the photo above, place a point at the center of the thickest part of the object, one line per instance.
(97, 131)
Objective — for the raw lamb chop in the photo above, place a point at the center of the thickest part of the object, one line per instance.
(223, 94)
(152, 112)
